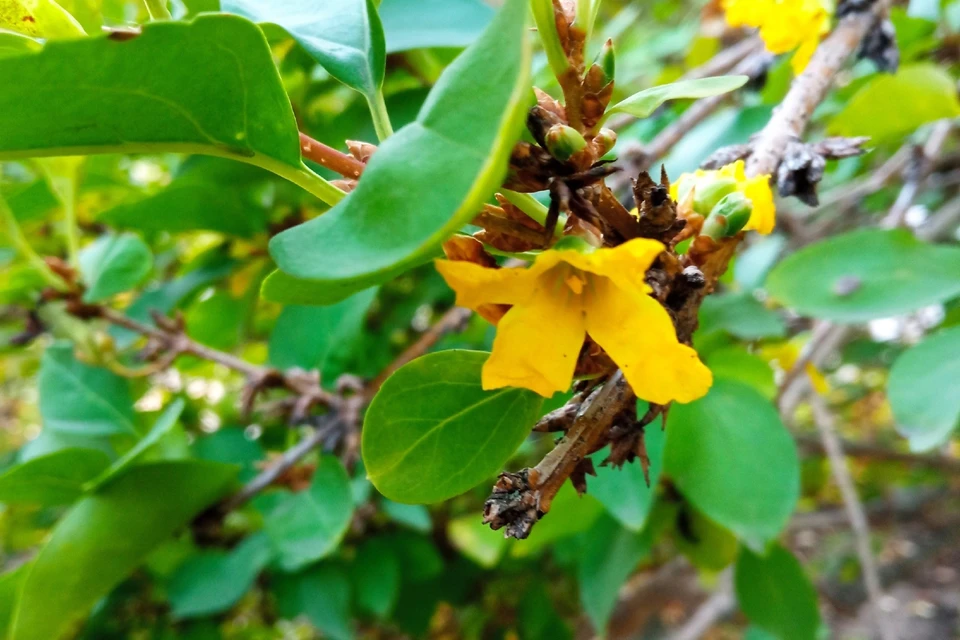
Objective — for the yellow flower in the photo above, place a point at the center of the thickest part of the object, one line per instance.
(757, 190)
(784, 25)
(566, 294)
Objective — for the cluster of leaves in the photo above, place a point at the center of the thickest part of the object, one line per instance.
(162, 168)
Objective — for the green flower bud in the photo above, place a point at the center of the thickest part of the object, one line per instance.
(711, 191)
(563, 141)
(728, 217)
(604, 141)
(608, 61)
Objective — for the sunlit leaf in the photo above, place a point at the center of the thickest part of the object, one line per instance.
(645, 102)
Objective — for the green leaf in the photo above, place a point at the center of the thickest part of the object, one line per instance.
(319, 338)
(412, 516)
(161, 427)
(753, 265)
(607, 561)
(213, 581)
(922, 390)
(924, 93)
(322, 594)
(731, 457)
(736, 363)
(230, 445)
(376, 578)
(113, 264)
(219, 95)
(624, 492)
(864, 275)
(53, 479)
(79, 399)
(38, 19)
(644, 103)
(432, 432)
(344, 36)
(14, 44)
(308, 525)
(474, 539)
(433, 23)
(105, 536)
(742, 316)
(705, 543)
(776, 595)
(401, 211)
(10, 583)
(570, 514)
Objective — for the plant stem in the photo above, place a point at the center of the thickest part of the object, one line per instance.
(381, 119)
(158, 10)
(303, 177)
(61, 174)
(533, 208)
(345, 165)
(544, 16)
(23, 247)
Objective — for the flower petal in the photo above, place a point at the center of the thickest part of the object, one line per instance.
(538, 341)
(625, 264)
(764, 215)
(638, 335)
(476, 285)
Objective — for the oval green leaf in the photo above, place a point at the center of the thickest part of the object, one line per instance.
(53, 479)
(113, 264)
(776, 595)
(402, 210)
(644, 103)
(106, 536)
(922, 390)
(731, 457)
(932, 92)
(308, 525)
(78, 399)
(432, 432)
(864, 275)
(433, 23)
(344, 36)
(219, 95)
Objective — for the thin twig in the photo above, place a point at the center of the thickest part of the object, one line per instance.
(877, 453)
(826, 425)
(718, 606)
(920, 171)
(344, 164)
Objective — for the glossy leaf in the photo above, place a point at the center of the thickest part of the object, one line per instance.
(865, 275)
(644, 103)
(319, 338)
(308, 525)
(219, 95)
(736, 363)
(741, 315)
(105, 536)
(322, 594)
(113, 264)
(344, 36)
(79, 399)
(15, 44)
(418, 24)
(213, 581)
(922, 390)
(432, 432)
(570, 514)
(165, 422)
(932, 93)
(53, 479)
(776, 595)
(624, 492)
(38, 19)
(476, 540)
(402, 210)
(731, 457)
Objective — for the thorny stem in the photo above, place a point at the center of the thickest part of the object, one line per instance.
(23, 247)
(381, 119)
(344, 164)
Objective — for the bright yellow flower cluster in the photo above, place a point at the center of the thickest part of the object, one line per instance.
(566, 294)
(757, 190)
(784, 25)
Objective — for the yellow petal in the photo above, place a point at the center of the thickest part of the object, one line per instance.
(625, 264)
(802, 56)
(764, 213)
(476, 285)
(637, 334)
(538, 341)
